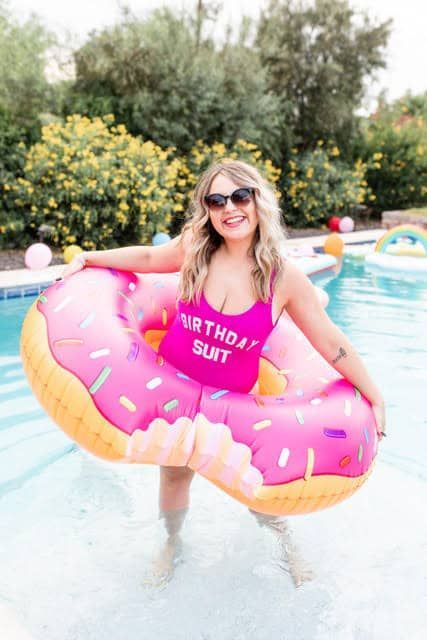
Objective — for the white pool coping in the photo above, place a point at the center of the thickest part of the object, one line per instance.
(33, 281)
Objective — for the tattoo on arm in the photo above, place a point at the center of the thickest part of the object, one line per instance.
(342, 353)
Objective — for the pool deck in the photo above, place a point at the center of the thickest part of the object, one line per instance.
(24, 282)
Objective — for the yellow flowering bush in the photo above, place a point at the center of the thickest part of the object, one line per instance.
(96, 185)
(316, 184)
(203, 155)
(394, 147)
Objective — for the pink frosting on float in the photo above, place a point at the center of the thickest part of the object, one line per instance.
(96, 321)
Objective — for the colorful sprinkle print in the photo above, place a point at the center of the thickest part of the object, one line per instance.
(299, 416)
(310, 464)
(99, 353)
(345, 461)
(183, 376)
(97, 384)
(133, 352)
(347, 408)
(42, 299)
(335, 433)
(63, 304)
(154, 383)
(357, 393)
(172, 404)
(262, 424)
(360, 453)
(366, 434)
(88, 320)
(259, 401)
(164, 317)
(124, 296)
(127, 404)
(132, 286)
(219, 394)
(283, 458)
(68, 341)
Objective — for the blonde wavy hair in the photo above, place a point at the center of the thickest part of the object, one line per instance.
(204, 240)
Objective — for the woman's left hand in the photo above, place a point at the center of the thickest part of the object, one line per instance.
(379, 414)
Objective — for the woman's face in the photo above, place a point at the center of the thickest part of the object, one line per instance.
(233, 221)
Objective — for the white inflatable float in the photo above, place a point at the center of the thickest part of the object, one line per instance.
(403, 249)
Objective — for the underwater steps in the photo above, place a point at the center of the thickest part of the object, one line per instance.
(29, 440)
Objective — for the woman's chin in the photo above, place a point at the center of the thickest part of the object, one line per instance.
(237, 235)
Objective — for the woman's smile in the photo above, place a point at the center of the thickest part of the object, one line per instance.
(234, 221)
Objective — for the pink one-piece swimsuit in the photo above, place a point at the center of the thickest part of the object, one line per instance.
(217, 349)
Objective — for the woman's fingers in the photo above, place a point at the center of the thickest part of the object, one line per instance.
(379, 414)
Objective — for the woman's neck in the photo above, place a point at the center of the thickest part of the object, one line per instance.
(236, 251)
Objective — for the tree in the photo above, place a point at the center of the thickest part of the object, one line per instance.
(319, 57)
(23, 85)
(164, 79)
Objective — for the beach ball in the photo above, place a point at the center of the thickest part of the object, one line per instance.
(346, 224)
(38, 256)
(71, 251)
(323, 296)
(334, 245)
(334, 223)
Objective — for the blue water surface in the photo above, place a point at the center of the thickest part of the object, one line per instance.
(82, 551)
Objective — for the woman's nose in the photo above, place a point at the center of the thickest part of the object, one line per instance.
(229, 206)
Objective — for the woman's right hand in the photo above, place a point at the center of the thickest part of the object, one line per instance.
(77, 264)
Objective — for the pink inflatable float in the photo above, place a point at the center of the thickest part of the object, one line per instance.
(307, 440)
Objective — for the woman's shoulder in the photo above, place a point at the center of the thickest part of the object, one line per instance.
(289, 280)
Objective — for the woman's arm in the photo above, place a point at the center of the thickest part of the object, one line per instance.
(165, 258)
(303, 306)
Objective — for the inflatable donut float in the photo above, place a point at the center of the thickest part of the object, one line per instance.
(306, 441)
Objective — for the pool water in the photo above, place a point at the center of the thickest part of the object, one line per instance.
(82, 552)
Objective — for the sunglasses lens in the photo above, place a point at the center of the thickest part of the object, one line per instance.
(241, 195)
(218, 201)
(215, 201)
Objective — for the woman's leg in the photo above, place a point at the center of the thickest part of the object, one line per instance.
(174, 499)
(289, 559)
(174, 490)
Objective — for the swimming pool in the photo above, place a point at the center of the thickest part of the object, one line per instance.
(78, 536)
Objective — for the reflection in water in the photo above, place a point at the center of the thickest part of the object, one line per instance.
(289, 558)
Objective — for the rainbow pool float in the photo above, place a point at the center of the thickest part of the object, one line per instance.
(402, 249)
(89, 344)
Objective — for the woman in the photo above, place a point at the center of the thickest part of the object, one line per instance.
(233, 275)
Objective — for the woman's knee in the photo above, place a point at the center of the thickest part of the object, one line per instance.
(176, 475)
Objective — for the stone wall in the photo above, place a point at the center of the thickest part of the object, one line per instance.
(391, 219)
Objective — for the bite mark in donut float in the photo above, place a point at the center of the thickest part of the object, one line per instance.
(88, 344)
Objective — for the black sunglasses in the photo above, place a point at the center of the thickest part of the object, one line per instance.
(240, 196)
